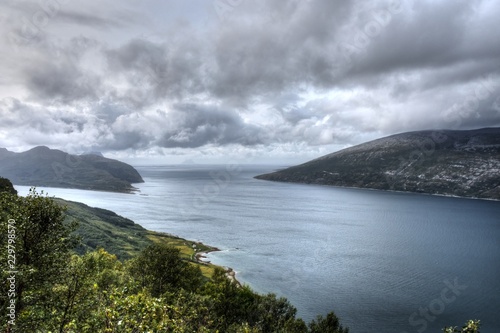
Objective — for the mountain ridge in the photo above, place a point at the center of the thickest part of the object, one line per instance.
(446, 162)
(42, 166)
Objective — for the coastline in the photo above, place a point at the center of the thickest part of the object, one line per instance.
(230, 273)
(379, 189)
(128, 235)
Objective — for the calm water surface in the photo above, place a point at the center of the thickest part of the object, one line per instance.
(384, 262)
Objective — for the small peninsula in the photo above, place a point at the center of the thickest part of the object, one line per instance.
(444, 162)
(42, 166)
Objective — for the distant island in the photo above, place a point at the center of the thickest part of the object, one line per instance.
(445, 162)
(42, 166)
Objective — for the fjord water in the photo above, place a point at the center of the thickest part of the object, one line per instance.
(383, 261)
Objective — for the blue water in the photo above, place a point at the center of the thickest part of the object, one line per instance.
(383, 261)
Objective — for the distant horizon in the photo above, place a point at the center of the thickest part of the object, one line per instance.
(245, 160)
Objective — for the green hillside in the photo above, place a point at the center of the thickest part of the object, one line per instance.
(101, 228)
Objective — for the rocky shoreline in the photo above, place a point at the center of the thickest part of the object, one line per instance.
(200, 258)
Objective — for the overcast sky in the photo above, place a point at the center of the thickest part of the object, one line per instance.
(253, 80)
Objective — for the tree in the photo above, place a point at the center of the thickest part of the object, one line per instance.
(160, 268)
(278, 315)
(6, 186)
(79, 294)
(230, 304)
(330, 324)
(41, 243)
(472, 326)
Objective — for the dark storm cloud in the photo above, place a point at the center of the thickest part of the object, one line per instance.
(93, 20)
(29, 22)
(126, 140)
(406, 48)
(283, 47)
(63, 82)
(318, 43)
(196, 126)
(159, 70)
(425, 36)
(431, 38)
(56, 73)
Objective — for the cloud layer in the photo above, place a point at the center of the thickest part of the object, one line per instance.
(257, 77)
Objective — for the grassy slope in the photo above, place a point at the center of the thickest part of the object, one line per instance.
(124, 238)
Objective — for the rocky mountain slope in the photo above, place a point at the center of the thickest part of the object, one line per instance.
(42, 166)
(460, 163)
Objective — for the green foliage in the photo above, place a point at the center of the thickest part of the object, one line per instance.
(85, 279)
(229, 303)
(472, 326)
(278, 314)
(328, 324)
(235, 307)
(6, 186)
(160, 268)
(42, 246)
(100, 227)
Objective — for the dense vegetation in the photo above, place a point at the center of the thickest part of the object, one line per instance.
(48, 287)
(6, 186)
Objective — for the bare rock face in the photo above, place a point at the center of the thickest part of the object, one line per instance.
(460, 163)
(42, 166)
